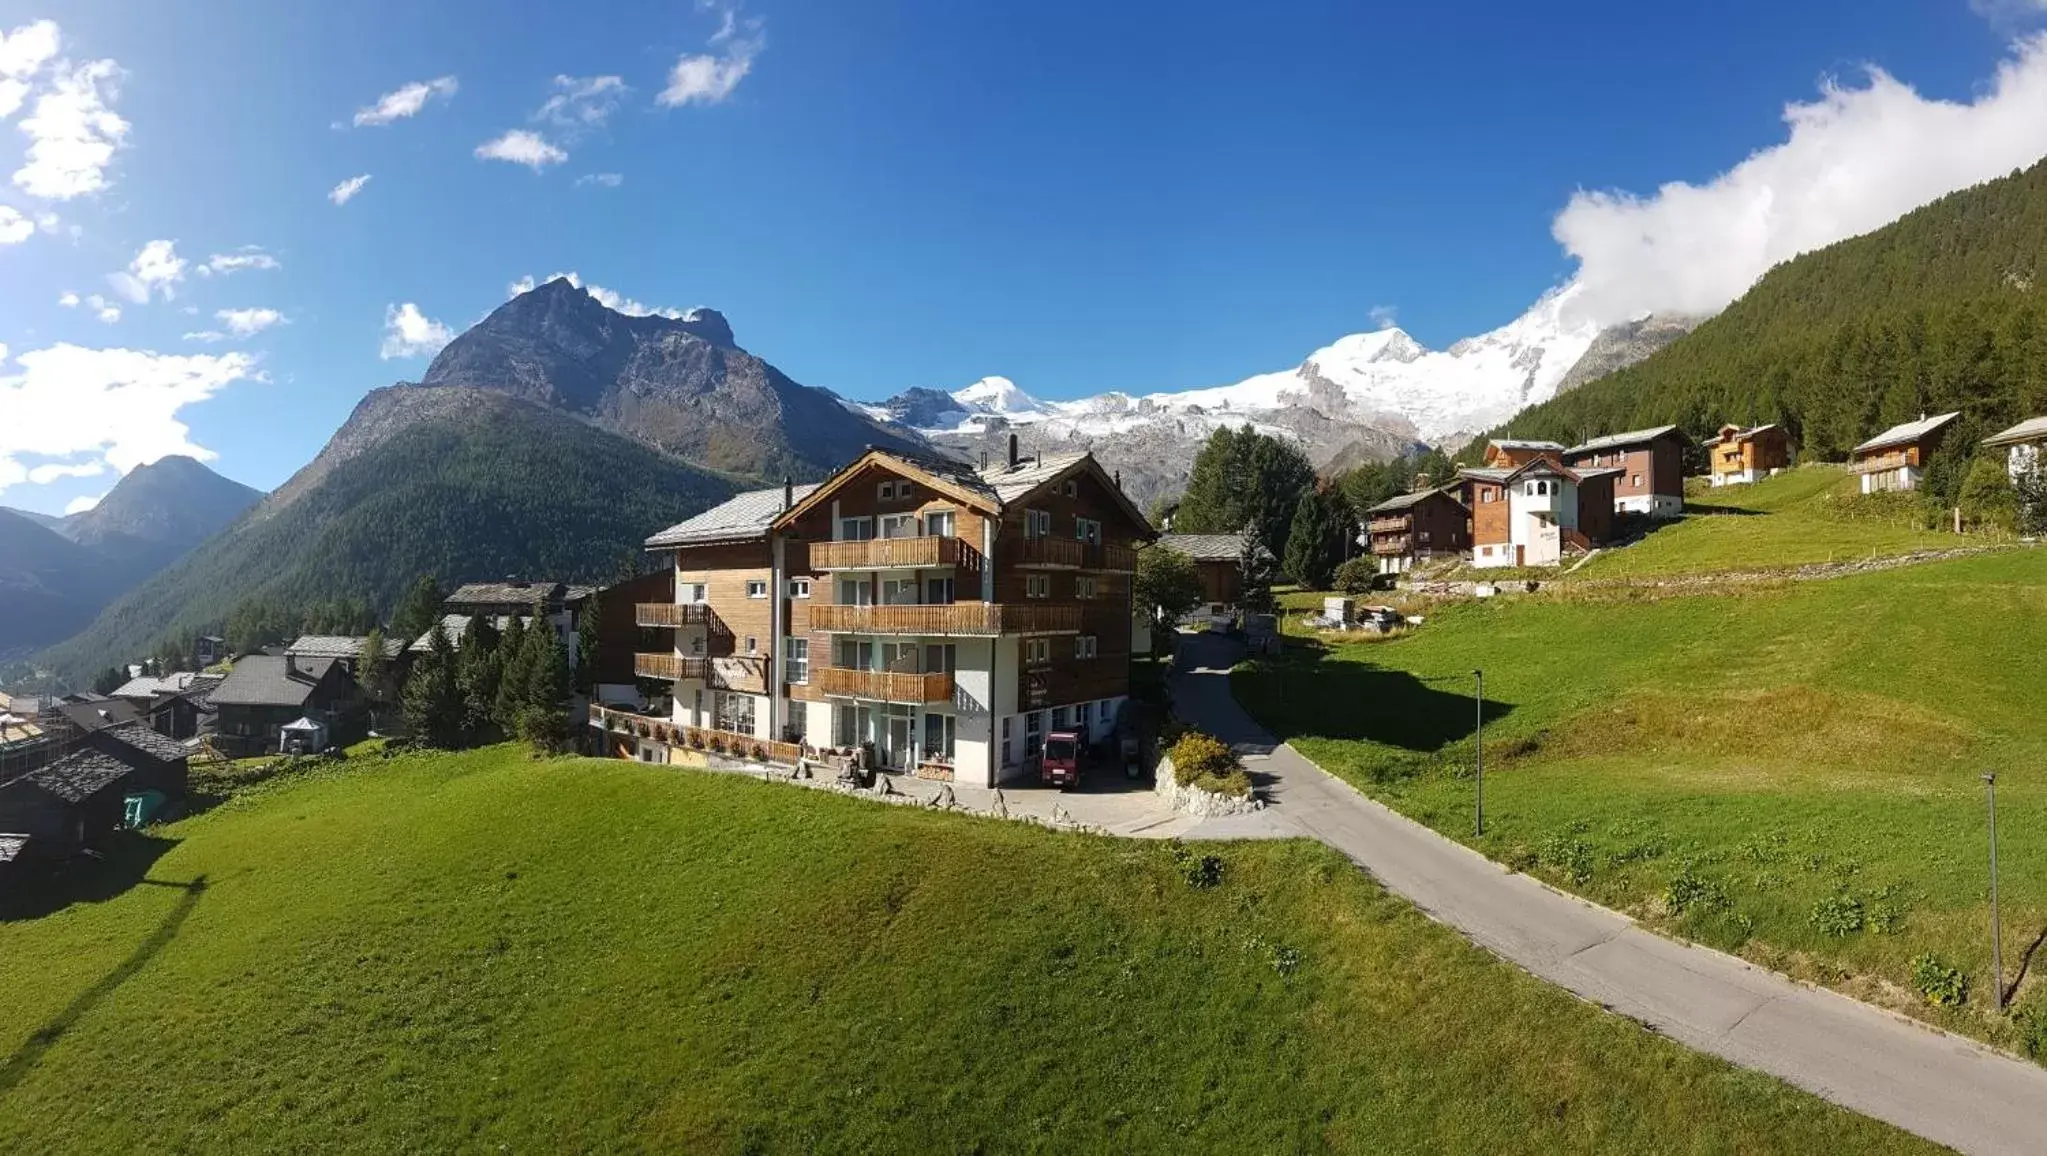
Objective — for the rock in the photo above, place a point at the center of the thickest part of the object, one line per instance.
(1061, 816)
(882, 786)
(1001, 808)
(943, 800)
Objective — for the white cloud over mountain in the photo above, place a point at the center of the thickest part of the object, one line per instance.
(608, 298)
(404, 101)
(410, 333)
(1855, 159)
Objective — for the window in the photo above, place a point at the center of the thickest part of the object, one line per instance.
(856, 529)
(1037, 651)
(900, 657)
(1638, 479)
(799, 587)
(695, 592)
(855, 654)
(1085, 586)
(1072, 488)
(941, 658)
(1034, 733)
(796, 659)
(753, 645)
(1037, 523)
(1037, 586)
(733, 712)
(1058, 718)
(938, 591)
(1485, 495)
(898, 525)
(696, 646)
(892, 489)
(938, 735)
(939, 524)
(899, 592)
(756, 588)
(855, 592)
(845, 728)
(1424, 535)
(1084, 646)
(1087, 529)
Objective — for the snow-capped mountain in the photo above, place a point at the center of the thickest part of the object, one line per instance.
(1367, 395)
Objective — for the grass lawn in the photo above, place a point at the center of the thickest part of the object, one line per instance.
(483, 951)
(1790, 772)
(1811, 514)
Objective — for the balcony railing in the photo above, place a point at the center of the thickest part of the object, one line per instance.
(672, 614)
(891, 553)
(668, 666)
(883, 685)
(1887, 460)
(1392, 524)
(1049, 553)
(954, 618)
(1400, 545)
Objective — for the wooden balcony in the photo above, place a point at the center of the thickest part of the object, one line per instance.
(672, 614)
(1392, 546)
(892, 554)
(1047, 553)
(956, 618)
(1392, 524)
(1108, 556)
(883, 685)
(668, 666)
(1886, 460)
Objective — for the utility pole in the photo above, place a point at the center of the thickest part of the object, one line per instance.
(1478, 755)
(1996, 937)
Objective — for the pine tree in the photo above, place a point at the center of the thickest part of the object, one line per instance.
(542, 716)
(373, 666)
(432, 706)
(1255, 561)
(513, 676)
(109, 680)
(1243, 474)
(1311, 548)
(589, 639)
(477, 665)
(419, 609)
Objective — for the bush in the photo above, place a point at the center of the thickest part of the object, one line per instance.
(1357, 576)
(1198, 756)
(1202, 872)
(1572, 857)
(1689, 892)
(1837, 915)
(1942, 983)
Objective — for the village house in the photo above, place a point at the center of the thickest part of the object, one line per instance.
(1513, 453)
(1651, 462)
(620, 636)
(265, 695)
(1430, 522)
(941, 617)
(557, 604)
(65, 806)
(1896, 458)
(1535, 513)
(2023, 445)
(1740, 456)
(1218, 567)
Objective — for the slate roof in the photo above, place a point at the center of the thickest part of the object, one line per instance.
(455, 624)
(339, 646)
(138, 736)
(92, 716)
(260, 680)
(149, 686)
(1739, 435)
(2031, 430)
(500, 593)
(1538, 466)
(1008, 483)
(1905, 433)
(79, 776)
(1525, 444)
(1395, 505)
(739, 518)
(1204, 547)
(1616, 441)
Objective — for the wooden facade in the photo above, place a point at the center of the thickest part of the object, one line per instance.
(1416, 527)
(1651, 465)
(1740, 456)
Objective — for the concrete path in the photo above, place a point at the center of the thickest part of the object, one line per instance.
(1948, 1089)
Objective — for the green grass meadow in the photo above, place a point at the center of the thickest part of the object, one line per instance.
(488, 952)
(1790, 771)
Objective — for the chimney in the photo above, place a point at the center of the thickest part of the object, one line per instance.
(291, 665)
(788, 492)
(1012, 451)
(1119, 479)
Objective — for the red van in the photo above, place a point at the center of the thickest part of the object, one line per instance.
(1060, 766)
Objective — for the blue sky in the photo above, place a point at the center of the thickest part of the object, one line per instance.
(1079, 197)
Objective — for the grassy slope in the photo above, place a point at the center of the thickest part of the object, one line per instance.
(1793, 519)
(481, 950)
(1785, 745)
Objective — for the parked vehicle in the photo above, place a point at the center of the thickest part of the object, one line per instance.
(1060, 766)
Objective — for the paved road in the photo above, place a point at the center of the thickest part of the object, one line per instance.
(1944, 1088)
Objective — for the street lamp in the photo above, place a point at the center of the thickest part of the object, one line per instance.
(1478, 755)
(1996, 938)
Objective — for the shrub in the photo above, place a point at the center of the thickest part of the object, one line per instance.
(1572, 857)
(1201, 872)
(1942, 983)
(1356, 576)
(1199, 755)
(1837, 915)
(1689, 892)
(1285, 960)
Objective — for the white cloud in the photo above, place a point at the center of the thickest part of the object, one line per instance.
(120, 406)
(410, 333)
(1855, 159)
(582, 102)
(72, 132)
(617, 302)
(342, 193)
(82, 503)
(521, 147)
(14, 227)
(2008, 13)
(405, 101)
(43, 475)
(23, 52)
(101, 308)
(1383, 316)
(607, 180)
(208, 336)
(710, 77)
(249, 322)
(246, 257)
(68, 300)
(156, 266)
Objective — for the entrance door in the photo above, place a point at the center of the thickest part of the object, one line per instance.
(897, 738)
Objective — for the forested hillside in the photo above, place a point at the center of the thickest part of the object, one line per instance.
(493, 488)
(1944, 309)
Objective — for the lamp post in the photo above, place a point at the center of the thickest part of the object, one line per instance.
(1996, 938)
(1478, 756)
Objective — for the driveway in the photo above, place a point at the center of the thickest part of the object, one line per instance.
(1946, 1088)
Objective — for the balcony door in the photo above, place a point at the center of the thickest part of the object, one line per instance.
(899, 525)
(939, 524)
(899, 657)
(855, 592)
(898, 736)
(899, 592)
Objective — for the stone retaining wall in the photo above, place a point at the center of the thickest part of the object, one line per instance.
(1195, 801)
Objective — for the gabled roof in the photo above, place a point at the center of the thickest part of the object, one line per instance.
(1537, 466)
(92, 716)
(740, 518)
(2032, 429)
(339, 646)
(137, 736)
(455, 625)
(1404, 501)
(1905, 433)
(500, 593)
(1524, 444)
(1616, 441)
(260, 680)
(991, 490)
(1206, 547)
(80, 775)
(1739, 434)
(149, 686)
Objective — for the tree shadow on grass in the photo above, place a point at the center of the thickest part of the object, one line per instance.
(1360, 701)
(44, 888)
(25, 1058)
